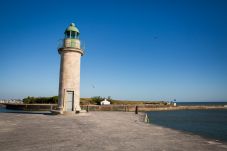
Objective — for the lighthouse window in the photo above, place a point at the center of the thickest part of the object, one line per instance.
(73, 34)
(67, 34)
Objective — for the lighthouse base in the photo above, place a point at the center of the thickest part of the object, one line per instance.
(56, 112)
(69, 113)
(61, 112)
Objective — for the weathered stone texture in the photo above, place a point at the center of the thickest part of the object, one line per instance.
(95, 131)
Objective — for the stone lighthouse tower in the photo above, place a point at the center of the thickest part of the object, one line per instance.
(69, 80)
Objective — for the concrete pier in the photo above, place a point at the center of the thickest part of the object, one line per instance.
(94, 131)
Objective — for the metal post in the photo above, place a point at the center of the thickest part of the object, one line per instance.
(87, 108)
(136, 111)
(146, 119)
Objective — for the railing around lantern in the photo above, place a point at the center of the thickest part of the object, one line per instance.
(71, 44)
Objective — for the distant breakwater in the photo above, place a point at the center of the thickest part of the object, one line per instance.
(125, 108)
(145, 108)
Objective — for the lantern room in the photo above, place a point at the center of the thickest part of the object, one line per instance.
(72, 32)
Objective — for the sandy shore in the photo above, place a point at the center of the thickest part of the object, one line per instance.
(94, 131)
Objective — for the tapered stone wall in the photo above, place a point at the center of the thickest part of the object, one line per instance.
(69, 76)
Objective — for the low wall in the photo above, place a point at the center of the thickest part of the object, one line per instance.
(31, 107)
(124, 108)
(144, 108)
(2, 105)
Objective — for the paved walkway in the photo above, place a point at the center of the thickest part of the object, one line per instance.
(95, 131)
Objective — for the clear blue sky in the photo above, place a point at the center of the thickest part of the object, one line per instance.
(136, 50)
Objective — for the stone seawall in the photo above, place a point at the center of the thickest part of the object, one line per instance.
(95, 131)
(182, 108)
(31, 107)
(144, 108)
(124, 108)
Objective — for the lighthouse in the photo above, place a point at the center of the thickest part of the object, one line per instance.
(69, 80)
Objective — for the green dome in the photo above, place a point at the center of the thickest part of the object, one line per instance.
(72, 27)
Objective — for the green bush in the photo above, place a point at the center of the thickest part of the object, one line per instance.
(96, 100)
(41, 100)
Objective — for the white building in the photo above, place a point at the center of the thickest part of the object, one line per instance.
(105, 102)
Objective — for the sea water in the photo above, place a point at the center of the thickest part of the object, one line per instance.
(206, 123)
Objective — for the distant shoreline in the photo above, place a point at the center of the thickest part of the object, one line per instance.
(189, 108)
